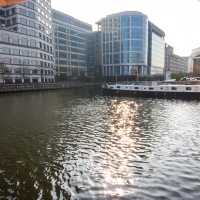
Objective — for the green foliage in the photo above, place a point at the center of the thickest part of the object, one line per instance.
(177, 75)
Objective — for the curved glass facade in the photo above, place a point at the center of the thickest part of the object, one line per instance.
(125, 43)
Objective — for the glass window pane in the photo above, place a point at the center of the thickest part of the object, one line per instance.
(6, 50)
(5, 38)
(125, 21)
(23, 21)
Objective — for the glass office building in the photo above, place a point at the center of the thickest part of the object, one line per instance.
(156, 51)
(70, 47)
(125, 44)
(26, 42)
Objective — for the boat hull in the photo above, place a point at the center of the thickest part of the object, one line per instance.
(152, 94)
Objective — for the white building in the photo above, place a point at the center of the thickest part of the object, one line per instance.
(26, 44)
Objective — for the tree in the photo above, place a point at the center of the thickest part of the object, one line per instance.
(4, 70)
(177, 75)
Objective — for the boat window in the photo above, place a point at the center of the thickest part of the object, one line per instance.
(111, 86)
(136, 88)
(118, 86)
(150, 88)
(174, 88)
(188, 88)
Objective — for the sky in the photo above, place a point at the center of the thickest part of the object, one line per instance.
(179, 19)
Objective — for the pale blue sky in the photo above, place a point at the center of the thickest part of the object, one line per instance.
(179, 19)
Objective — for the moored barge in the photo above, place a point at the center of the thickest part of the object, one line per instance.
(172, 90)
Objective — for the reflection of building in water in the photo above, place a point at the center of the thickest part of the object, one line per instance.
(195, 61)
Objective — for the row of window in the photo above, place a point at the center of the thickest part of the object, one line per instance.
(44, 14)
(69, 43)
(126, 45)
(69, 49)
(46, 47)
(72, 63)
(26, 62)
(26, 13)
(28, 80)
(7, 13)
(126, 57)
(70, 56)
(26, 42)
(69, 31)
(43, 5)
(27, 71)
(71, 38)
(64, 19)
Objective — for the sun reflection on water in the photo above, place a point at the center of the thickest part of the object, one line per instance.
(121, 127)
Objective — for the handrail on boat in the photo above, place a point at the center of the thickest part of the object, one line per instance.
(154, 83)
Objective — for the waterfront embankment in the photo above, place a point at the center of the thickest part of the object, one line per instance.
(8, 88)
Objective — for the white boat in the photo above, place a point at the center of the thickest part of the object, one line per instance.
(167, 90)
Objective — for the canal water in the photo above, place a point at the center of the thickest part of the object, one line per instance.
(78, 144)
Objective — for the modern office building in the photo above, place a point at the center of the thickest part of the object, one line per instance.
(156, 50)
(26, 42)
(94, 61)
(173, 62)
(70, 38)
(131, 42)
(194, 62)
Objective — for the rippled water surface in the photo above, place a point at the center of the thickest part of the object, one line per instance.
(78, 144)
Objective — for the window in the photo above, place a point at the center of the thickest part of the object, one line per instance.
(32, 32)
(14, 20)
(33, 62)
(25, 53)
(6, 60)
(16, 51)
(22, 11)
(30, 5)
(16, 61)
(31, 14)
(136, 88)
(150, 88)
(31, 23)
(18, 70)
(174, 88)
(32, 43)
(24, 41)
(23, 21)
(26, 62)
(5, 38)
(33, 54)
(35, 71)
(6, 50)
(188, 88)
(15, 40)
(24, 30)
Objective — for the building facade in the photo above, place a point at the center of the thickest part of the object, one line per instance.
(26, 42)
(70, 47)
(156, 50)
(194, 62)
(126, 38)
(173, 62)
(94, 61)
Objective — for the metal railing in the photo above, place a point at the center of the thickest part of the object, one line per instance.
(5, 88)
